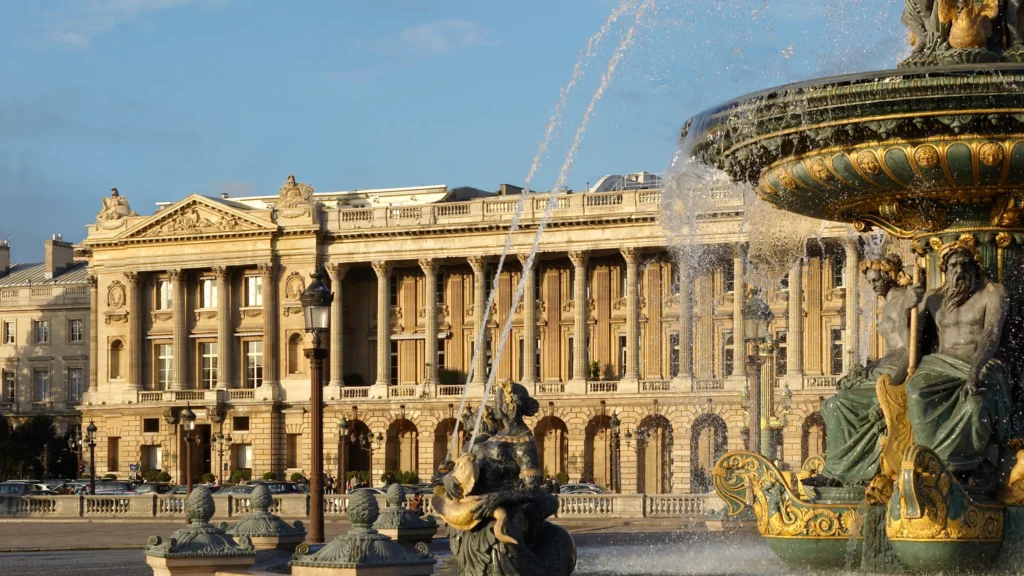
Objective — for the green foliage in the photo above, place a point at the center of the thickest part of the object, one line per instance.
(163, 477)
(445, 376)
(86, 475)
(353, 379)
(562, 478)
(152, 475)
(363, 475)
(297, 477)
(110, 476)
(397, 476)
(24, 448)
(208, 477)
(595, 370)
(269, 476)
(240, 474)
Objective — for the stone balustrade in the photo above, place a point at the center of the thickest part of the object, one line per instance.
(116, 506)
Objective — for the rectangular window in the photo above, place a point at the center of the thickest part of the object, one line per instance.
(781, 353)
(207, 293)
(728, 349)
(489, 282)
(522, 349)
(164, 366)
(76, 384)
(536, 359)
(393, 290)
(151, 426)
(164, 295)
(253, 364)
(9, 392)
(676, 279)
(41, 331)
(489, 352)
(838, 270)
(673, 355)
(9, 331)
(243, 456)
(113, 454)
(728, 278)
(538, 282)
(440, 354)
(76, 330)
(240, 424)
(291, 459)
(253, 291)
(439, 288)
(572, 352)
(393, 358)
(837, 351)
(41, 385)
(152, 456)
(622, 356)
(623, 282)
(208, 365)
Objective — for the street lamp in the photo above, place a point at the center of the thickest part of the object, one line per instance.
(75, 444)
(343, 428)
(222, 443)
(760, 394)
(616, 454)
(188, 421)
(316, 306)
(91, 438)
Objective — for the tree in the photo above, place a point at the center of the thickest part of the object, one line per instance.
(34, 447)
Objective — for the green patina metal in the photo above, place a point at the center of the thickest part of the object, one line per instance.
(199, 539)
(397, 517)
(260, 523)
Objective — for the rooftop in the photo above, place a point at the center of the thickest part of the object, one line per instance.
(35, 275)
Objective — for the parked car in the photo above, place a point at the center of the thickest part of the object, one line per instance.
(154, 487)
(576, 488)
(240, 490)
(41, 492)
(183, 488)
(277, 487)
(20, 487)
(371, 490)
(114, 487)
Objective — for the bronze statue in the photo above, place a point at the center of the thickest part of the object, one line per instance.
(958, 399)
(494, 503)
(852, 416)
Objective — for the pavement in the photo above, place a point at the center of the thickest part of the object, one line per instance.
(27, 535)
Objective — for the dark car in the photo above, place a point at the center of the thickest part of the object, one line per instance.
(114, 487)
(240, 490)
(183, 489)
(153, 487)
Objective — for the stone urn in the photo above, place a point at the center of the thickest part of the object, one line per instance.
(267, 531)
(401, 524)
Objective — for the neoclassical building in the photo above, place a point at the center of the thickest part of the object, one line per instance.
(198, 304)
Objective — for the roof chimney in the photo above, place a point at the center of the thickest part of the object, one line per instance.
(223, 195)
(5, 257)
(60, 256)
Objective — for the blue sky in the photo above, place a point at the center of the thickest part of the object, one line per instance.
(162, 98)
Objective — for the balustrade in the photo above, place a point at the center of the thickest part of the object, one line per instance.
(108, 506)
(551, 388)
(445, 390)
(705, 384)
(675, 506)
(361, 392)
(600, 387)
(242, 394)
(403, 391)
(655, 385)
(820, 382)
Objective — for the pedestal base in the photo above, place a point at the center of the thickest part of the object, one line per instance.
(198, 566)
(287, 543)
(416, 570)
(409, 537)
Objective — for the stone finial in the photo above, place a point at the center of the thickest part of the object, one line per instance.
(199, 506)
(362, 509)
(261, 499)
(396, 495)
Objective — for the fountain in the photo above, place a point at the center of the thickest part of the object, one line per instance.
(932, 152)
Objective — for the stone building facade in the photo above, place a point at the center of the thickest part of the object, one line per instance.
(198, 305)
(44, 334)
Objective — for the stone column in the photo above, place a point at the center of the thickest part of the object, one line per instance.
(479, 266)
(337, 273)
(529, 323)
(632, 316)
(852, 304)
(224, 347)
(383, 271)
(180, 334)
(94, 326)
(685, 322)
(271, 378)
(795, 330)
(135, 340)
(429, 266)
(579, 260)
(739, 298)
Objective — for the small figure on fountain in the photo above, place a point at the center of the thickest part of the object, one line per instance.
(494, 503)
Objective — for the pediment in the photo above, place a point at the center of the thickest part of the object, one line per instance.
(196, 216)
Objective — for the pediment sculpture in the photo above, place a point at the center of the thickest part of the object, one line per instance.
(295, 200)
(114, 212)
(194, 220)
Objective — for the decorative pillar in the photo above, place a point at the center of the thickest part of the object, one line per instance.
(739, 298)
(479, 266)
(685, 321)
(180, 335)
(383, 271)
(632, 316)
(337, 273)
(429, 266)
(94, 327)
(579, 260)
(852, 306)
(135, 340)
(271, 377)
(795, 330)
(224, 347)
(529, 323)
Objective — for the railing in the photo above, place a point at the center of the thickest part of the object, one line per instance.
(242, 394)
(361, 215)
(180, 395)
(675, 506)
(551, 388)
(500, 206)
(107, 506)
(586, 505)
(405, 213)
(820, 382)
(443, 390)
(170, 505)
(42, 292)
(604, 199)
(705, 384)
(337, 505)
(402, 391)
(446, 210)
(655, 385)
(150, 396)
(541, 204)
(600, 387)
(648, 197)
(360, 392)
(8, 406)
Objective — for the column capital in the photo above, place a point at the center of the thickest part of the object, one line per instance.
(221, 272)
(477, 263)
(852, 245)
(175, 275)
(132, 278)
(739, 250)
(629, 254)
(579, 258)
(525, 257)
(381, 267)
(336, 270)
(266, 269)
(428, 265)
(92, 280)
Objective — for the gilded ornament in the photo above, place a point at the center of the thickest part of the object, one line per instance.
(1003, 239)
(935, 242)
(1013, 493)
(926, 157)
(991, 153)
(899, 436)
(971, 21)
(1007, 211)
(818, 169)
(784, 177)
(868, 162)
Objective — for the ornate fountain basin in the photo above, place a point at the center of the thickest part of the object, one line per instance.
(912, 152)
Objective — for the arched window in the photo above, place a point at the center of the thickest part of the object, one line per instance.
(813, 437)
(116, 351)
(294, 353)
(708, 440)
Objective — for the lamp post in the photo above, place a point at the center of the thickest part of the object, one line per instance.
(316, 306)
(91, 438)
(188, 421)
(222, 442)
(759, 396)
(616, 455)
(343, 428)
(75, 444)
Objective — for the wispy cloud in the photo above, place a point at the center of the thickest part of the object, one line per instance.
(79, 21)
(428, 40)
